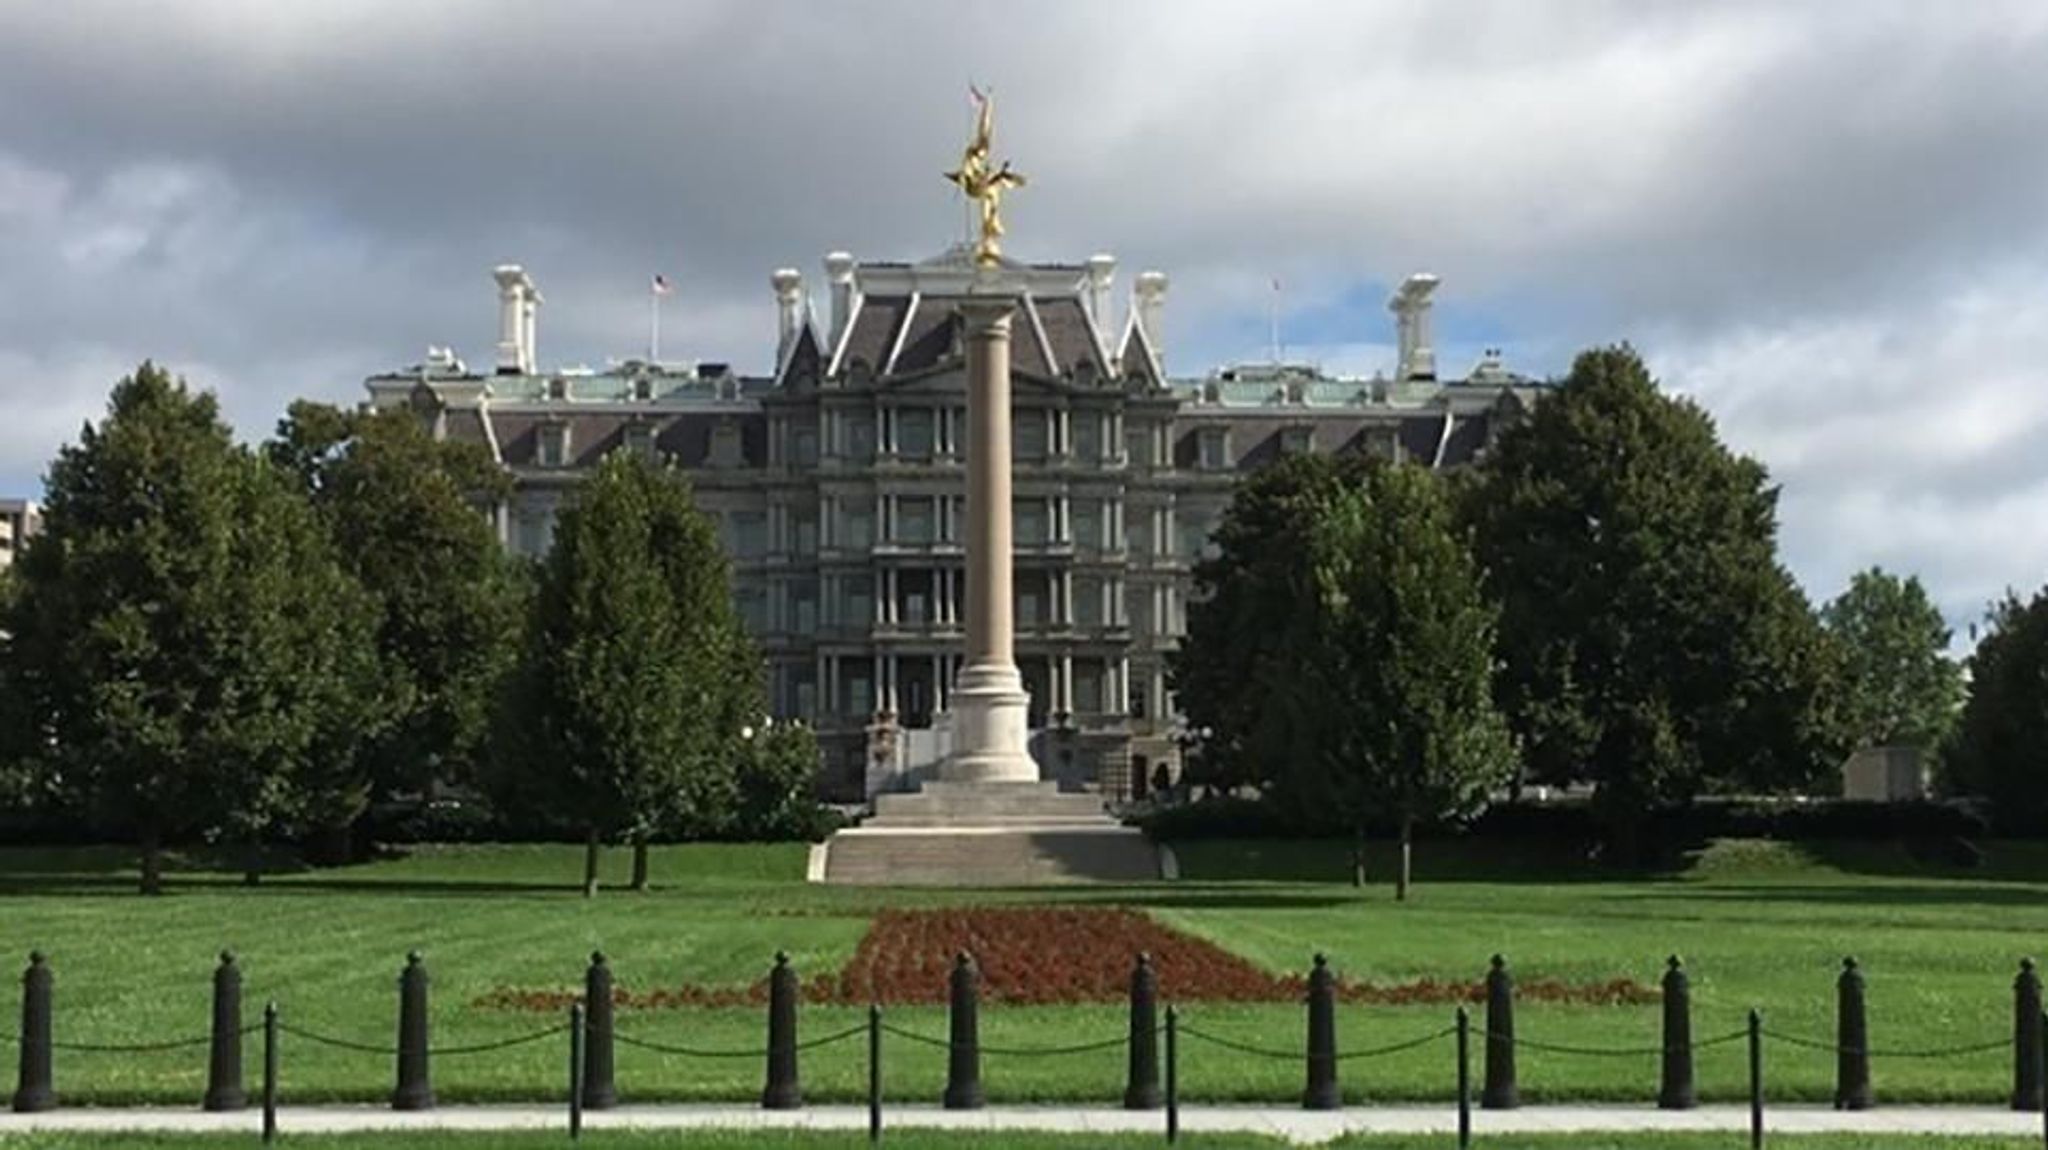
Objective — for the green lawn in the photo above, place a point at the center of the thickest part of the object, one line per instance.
(1759, 924)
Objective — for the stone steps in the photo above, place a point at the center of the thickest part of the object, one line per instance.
(990, 856)
(966, 804)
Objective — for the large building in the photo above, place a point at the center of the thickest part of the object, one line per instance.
(838, 484)
(19, 519)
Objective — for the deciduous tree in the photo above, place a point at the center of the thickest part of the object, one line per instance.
(1898, 684)
(1999, 751)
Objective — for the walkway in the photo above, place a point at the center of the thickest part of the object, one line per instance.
(1298, 1126)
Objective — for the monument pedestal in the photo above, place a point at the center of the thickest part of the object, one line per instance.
(990, 738)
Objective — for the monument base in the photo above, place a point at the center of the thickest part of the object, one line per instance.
(990, 738)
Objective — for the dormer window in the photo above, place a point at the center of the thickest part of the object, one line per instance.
(643, 388)
(639, 439)
(1297, 440)
(551, 448)
(1215, 449)
(558, 388)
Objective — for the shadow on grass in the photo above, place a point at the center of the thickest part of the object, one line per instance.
(1958, 895)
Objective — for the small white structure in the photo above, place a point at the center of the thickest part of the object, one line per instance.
(1886, 775)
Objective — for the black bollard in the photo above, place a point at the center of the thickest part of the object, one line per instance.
(269, 1072)
(224, 1069)
(1141, 1091)
(2027, 1039)
(1322, 1092)
(599, 1093)
(413, 1091)
(1464, 1079)
(1500, 1092)
(782, 1091)
(874, 1073)
(35, 1091)
(1756, 1080)
(1852, 1042)
(963, 1069)
(1676, 1091)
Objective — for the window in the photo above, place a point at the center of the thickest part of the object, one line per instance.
(558, 388)
(643, 388)
(1138, 532)
(1029, 443)
(639, 439)
(1297, 440)
(1088, 698)
(1138, 600)
(749, 534)
(803, 607)
(914, 432)
(856, 602)
(1192, 535)
(752, 603)
(1030, 519)
(1085, 521)
(857, 528)
(1088, 602)
(551, 445)
(1030, 606)
(860, 436)
(1087, 431)
(803, 446)
(1138, 445)
(803, 530)
(860, 694)
(1215, 449)
(915, 520)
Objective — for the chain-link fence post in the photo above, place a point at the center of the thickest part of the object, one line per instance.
(963, 1066)
(414, 1090)
(1500, 1092)
(1464, 1078)
(1322, 1092)
(224, 1064)
(600, 1092)
(269, 1072)
(1676, 1091)
(1756, 1080)
(1852, 1041)
(35, 1089)
(1172, 1074)
(782, 1091)
(1141, 1082)
(2026, 1038)
(577, 1024)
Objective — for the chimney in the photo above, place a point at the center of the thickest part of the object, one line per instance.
(1101, 270)
(839, 274)
(789, 301)
(1150, 291)
(1410, 305)
(517, 302)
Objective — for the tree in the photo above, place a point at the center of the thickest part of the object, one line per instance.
(1391, 711)
(1650, 641)
(1996, 752)
(636, 678)
(777, 774)
(190, 655)
(1235, 663)
(408, 515)
(1898, 684)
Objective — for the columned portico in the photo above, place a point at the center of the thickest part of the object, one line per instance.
(989, 703)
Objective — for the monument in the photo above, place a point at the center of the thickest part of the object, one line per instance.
(988, 818)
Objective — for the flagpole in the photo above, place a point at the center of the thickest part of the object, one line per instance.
(653, 326)
(1273, 319)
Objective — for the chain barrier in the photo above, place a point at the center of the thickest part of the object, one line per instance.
(1009, 1051)
(1293, 1055)
(841, 1036)
(690, 1051)
(338, 1043)
(1938, 1052)
(1626, 1051)
(432, 1051)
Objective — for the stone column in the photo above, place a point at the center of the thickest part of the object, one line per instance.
(989, 698)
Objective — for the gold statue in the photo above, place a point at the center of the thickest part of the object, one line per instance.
(982, 185)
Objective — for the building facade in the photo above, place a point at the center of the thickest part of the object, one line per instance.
(838, 484)
(19, 519)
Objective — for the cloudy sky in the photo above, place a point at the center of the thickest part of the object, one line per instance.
(1827, 221)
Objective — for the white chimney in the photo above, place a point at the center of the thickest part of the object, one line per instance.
(517, 302)
(1101, 270)
(839, 275)
(1410, 305)
(1150, 291)
(789, 301)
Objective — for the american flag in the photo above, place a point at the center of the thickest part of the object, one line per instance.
(662, 286)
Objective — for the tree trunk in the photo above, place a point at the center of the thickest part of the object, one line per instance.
(1407, 858)
(1358, 858)
(640, 863)
(152, 860)
(252, 862)
(590, 849)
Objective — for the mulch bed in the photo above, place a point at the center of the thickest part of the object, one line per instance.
(1034, 956)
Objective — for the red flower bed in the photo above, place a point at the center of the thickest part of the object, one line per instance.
(1045, 955)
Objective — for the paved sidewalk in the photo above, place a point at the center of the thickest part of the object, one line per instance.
(1295, 1125)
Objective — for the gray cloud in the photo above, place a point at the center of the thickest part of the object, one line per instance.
(1794, 211)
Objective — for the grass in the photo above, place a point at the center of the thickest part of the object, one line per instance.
(1759, 924)
(904, 1139)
